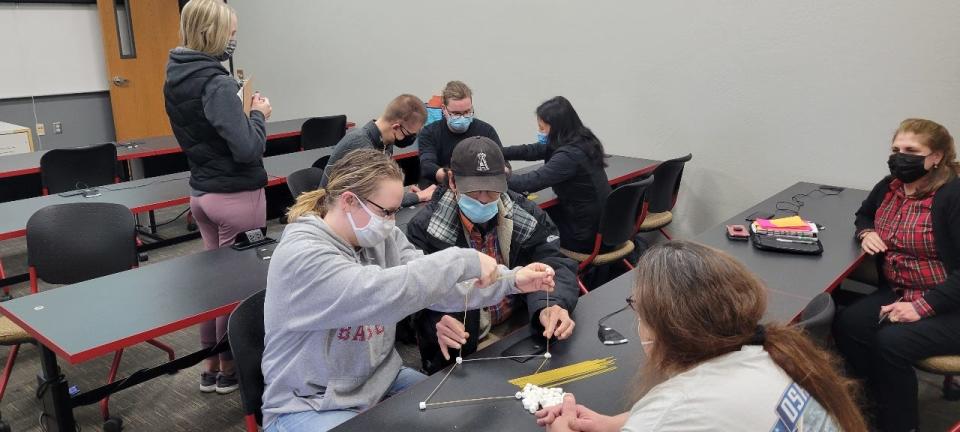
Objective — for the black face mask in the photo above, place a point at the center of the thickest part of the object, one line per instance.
(906, 167)
(407, 141)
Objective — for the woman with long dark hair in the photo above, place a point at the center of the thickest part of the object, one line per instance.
(574, 168)
(710, 364)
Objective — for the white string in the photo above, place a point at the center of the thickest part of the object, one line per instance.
(471, 400)
(466, 303)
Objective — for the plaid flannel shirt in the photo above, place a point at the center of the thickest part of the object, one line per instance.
(911, 264)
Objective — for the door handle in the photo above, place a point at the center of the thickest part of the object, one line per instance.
(120, 81)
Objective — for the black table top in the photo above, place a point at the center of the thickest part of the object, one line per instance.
(29, 163)
(800, 276)
(796, 279)
(99, 316)
(138, 195)
(490, 378)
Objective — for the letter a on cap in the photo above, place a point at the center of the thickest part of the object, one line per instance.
(482, 162)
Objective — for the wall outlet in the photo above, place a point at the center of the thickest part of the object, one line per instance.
(57, 128)
(40, 130)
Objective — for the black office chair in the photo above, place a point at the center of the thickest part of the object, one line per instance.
(663, 195)
(71, 243)
(320, 132)
(305, 180)
(321, 162)
(622, 217)
(245, 331)
(817, 317)
(64, 170)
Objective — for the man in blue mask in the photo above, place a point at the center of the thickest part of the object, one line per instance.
(437, 140)
(475, 210)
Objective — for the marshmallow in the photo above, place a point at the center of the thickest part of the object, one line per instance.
(423, 406)
(459, 360)
(547, 355)
(519, 395)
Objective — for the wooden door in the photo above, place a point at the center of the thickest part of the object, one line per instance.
(137, 38)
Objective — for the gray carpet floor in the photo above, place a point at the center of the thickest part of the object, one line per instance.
(173, 403)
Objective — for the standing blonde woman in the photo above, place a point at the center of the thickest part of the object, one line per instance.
(224, 147)
(341, 278)
(710, 364)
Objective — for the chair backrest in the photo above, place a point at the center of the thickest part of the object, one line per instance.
(70, 243)
(304, 180)
(321, 162)
(817, 317)
(245, 332)
(64, 170)
(319, 132)
(666, 184)
(624, 205)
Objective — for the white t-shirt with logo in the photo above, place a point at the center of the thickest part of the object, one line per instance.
(739, 391)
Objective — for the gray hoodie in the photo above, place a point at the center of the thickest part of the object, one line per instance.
(330, 313)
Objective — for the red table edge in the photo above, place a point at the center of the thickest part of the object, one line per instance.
(128, 341)
(617, 180)
(145, 154)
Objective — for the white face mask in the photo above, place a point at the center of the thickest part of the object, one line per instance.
(643, 342)
(376, 231)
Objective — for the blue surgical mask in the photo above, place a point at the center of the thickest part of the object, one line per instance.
(477, 211)
(541, 138)
(460, 124)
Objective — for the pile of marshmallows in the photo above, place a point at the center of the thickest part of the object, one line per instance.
(535, 397)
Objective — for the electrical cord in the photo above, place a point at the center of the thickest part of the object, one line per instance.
(169, 221)
(793, 206)
(145, 184)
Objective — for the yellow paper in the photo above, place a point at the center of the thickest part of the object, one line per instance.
(792, 221)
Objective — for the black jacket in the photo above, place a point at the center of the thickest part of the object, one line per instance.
(224, 148)
(581, 187)
(945, 217)
(436, 142)
(524, 250)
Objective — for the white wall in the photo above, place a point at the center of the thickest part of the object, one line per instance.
(763, 93)
(50, 49)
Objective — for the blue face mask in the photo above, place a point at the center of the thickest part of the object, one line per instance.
(477, 211)
(459, 125)
(541, 138)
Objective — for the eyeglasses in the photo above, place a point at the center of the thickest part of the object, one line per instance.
(632, 304)
(455, 115)
(405, 132)
(387, 213)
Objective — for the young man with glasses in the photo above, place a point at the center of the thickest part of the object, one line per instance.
(437, 140)
(397, 127)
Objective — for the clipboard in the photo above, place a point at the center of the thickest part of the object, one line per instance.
(246, 91)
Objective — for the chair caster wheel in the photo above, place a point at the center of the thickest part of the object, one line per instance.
(4, 427)
(191, 227)
(143, 257)
(113, 424)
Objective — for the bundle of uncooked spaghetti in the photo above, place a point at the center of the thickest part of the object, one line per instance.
(563, 375)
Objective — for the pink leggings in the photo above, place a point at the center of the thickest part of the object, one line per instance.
(221, 216)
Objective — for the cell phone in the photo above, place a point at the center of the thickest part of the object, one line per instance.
(759, 215)
(529, 346)
(250, 239)
(737, 232)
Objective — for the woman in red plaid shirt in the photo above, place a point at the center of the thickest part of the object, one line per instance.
(911, 223)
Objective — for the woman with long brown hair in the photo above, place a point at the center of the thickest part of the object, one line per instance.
(710, 364)
(911, 223)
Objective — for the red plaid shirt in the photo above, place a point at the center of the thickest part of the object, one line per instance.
(490, 245)
(911, 264)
